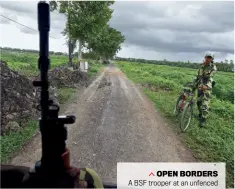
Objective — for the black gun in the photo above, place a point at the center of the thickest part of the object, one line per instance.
(54, 162)
(53, 131)
(54, 169)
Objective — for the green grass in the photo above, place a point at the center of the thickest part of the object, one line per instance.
(27, 63)
(95, 68)
(215, 142)
(65, 94)
(13, 142)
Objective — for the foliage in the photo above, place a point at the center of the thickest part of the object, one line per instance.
(87, 23)
(107, 42)
(88, 18)
(84, 18)
(215, 142)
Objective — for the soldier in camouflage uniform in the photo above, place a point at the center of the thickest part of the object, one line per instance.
(206, 84)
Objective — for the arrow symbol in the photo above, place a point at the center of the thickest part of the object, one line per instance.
(151, 174)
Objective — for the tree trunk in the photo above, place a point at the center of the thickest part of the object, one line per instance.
(70, 63)
(79, 50)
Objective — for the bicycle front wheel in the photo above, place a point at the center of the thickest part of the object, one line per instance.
(186, 117)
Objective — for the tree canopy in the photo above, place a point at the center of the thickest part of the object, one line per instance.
(107, 42)
(87, 22)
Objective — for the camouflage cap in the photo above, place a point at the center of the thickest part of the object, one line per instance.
(209, 55)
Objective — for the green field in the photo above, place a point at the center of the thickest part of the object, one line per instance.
(27, 63)
(162, 84)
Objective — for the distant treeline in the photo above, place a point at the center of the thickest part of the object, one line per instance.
(89, 55)
(226, 66)
(29, 51)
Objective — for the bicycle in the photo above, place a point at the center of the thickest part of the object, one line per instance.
(185, 104)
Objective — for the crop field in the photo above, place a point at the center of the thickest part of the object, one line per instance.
(27, 63)
(162, 84)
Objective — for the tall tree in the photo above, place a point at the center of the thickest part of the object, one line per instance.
(106, 43)
(86, 18)
(65, 8)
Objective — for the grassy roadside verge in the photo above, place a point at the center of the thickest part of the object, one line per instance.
(65, 94)
(162, 84)
(13, 142)
(95, 68)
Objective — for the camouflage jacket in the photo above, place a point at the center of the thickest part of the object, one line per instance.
(208, 71)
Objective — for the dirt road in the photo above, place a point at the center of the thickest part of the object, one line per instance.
(115, 123)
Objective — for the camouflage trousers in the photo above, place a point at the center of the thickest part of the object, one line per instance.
(203, 102)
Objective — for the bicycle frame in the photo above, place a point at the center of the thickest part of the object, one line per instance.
(186, 95)
(193, 93)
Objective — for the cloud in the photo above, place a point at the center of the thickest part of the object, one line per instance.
(24, 7)
(153, 29)
(181, 16)
(26, 14)
(176, 27)
(5, 14)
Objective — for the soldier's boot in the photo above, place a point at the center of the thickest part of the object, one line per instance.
(202, 122)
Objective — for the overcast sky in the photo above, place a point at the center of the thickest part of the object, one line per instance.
(153, 29)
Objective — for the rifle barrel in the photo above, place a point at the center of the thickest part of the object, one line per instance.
(44, 62)
(53, 131)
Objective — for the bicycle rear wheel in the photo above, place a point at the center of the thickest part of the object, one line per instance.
(177, 107)
(186, 117)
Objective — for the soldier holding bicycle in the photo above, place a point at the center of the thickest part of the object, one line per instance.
(206, 84)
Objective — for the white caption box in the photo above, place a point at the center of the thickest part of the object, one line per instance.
(171, 175)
